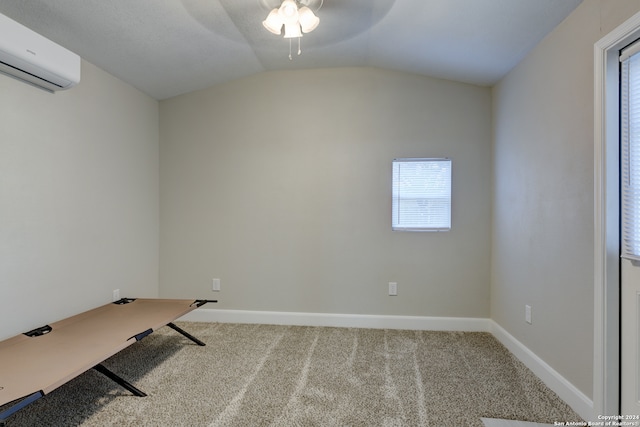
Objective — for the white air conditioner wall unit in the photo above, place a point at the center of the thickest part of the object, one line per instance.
(27, 56)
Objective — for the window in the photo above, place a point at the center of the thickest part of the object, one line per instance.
(630, 151)
(421, 195)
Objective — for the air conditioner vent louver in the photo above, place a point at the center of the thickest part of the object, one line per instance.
(11, 71)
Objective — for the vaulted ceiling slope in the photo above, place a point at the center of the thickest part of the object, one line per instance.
(170, 47)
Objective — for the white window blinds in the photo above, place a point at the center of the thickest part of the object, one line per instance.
(421, 195)
(630, 152)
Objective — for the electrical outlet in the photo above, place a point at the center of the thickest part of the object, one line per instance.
(527, 314)
(215, 285)
(393, 288)
(116, 294)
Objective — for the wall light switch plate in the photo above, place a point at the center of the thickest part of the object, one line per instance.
(215, 285)
(527, 314)
(393, 288)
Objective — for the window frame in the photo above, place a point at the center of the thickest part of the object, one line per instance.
(396, 199)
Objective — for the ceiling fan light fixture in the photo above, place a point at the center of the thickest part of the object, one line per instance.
(274, 22)
(308, 20)
(296, 16)
(292, 31)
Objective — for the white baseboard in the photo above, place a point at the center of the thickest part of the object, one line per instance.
(340, 320)
(577, 400)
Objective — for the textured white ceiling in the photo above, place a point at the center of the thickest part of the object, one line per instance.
(169, 47)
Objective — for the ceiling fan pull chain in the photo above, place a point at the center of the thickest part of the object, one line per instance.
(299, 50)
(290, 50)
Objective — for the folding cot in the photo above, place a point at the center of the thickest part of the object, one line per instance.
(37, 362)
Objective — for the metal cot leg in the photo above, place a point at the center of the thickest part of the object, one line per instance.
(100, 368)
(185, 333)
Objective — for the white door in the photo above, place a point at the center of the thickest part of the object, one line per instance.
(630, 227)
(630, 368)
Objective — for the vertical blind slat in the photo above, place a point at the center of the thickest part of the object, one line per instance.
(630, 155)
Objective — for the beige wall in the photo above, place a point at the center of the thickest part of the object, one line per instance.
(543, 193)
(279, 185)
(78, 198)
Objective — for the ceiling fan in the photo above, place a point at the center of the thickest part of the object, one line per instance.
(243, 21)
(295, 16)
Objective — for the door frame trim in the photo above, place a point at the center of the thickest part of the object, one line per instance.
(606, 339)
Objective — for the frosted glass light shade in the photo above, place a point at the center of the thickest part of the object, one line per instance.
(288, 11)
(292, 31)
(308, 20)
(273, 23)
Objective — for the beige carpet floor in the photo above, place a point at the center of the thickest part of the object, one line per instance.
(262, 375)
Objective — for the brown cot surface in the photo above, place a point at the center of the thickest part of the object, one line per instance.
(78, 343)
